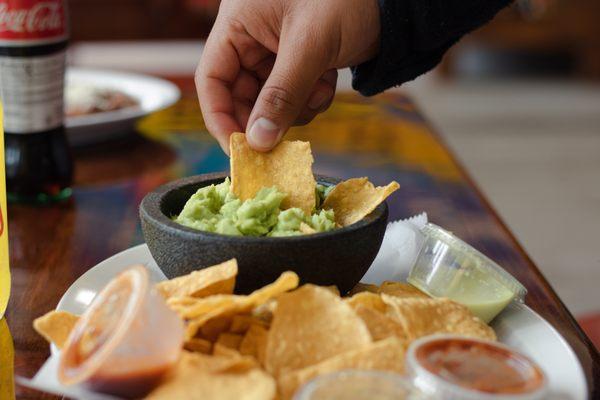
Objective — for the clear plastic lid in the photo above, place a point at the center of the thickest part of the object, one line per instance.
(358, 385)
(452, 367)
(446, 266)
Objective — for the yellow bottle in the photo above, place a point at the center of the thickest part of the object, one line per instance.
(7, 362)
(4, 271)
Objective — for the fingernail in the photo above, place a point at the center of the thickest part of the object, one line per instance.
(263, 134)
(317, 100)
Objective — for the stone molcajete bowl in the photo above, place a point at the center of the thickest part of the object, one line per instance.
(339, 257)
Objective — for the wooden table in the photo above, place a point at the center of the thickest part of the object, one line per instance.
(384, 138)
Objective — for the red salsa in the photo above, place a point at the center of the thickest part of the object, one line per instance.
(480, 366)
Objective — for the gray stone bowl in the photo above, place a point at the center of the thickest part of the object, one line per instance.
(339, 257)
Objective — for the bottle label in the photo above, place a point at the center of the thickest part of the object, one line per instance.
(31, 89)
(32, 22)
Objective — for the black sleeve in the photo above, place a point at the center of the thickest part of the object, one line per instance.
(415, 34)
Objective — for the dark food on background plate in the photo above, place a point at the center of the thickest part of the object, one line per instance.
(275, 194)
(267, 343)
(87, 99)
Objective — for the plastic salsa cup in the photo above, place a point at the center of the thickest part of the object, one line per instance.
(448, 267)
(126, 339)
(357, 385)
(451, 367)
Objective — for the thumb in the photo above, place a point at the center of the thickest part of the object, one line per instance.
(297, 68)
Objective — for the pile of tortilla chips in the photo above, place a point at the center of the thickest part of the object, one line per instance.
(267, 344)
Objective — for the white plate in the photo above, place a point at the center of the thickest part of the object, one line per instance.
(152, 94)
(518, 327)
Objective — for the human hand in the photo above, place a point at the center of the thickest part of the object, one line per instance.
(271, 64)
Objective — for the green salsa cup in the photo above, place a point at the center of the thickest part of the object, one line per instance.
(448, 267)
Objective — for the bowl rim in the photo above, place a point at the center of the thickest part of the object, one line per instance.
(152, 201)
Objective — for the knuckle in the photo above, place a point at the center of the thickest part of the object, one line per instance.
(198, 76)
(278, 99)
(234, 24)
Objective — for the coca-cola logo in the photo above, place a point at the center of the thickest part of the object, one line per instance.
(32, 19)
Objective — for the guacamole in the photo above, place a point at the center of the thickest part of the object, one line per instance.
(215, 209)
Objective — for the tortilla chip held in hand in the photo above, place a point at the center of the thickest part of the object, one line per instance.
(288, 167)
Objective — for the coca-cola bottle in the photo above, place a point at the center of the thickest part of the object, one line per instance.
(33, 41)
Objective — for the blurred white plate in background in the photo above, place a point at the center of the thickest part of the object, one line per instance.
(152, 94)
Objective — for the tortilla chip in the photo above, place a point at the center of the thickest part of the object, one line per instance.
(354, 199)
(239, 304)
(367, 299)
(333, 289)
(364, 287)
(254, 343)
(218, 279)
(225, 351)
(286, 281)
(385, 355)
(380, 326)
(215, 364)
(55, 326)
(421, 317)
(218, 315)
(310, 325)
(198, 345)
(241, 323)
(206, 305)
(231, 340)
(399, 289)
(190, 380)
(212, 328)
(288, 167)
(181, 302)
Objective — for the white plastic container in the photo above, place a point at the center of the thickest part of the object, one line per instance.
(125, 341)
(451, 367)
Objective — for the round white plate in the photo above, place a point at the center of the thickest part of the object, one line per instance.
(152, 94)
(518, 326)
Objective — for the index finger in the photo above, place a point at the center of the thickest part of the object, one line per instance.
(216, 72)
